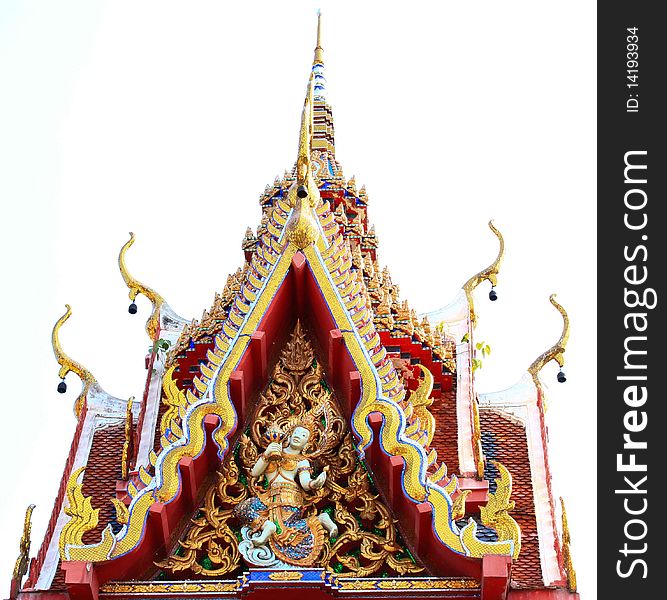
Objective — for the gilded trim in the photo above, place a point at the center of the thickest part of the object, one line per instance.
(556, 352)
(68, 365)
(136, 287)
(488, 274)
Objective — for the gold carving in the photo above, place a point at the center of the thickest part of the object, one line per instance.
(365, 538)
(171, 587)
(286, 576)
(400, 585)
(390, 438)
(175, 400)
(489, 274)
(122, 512)
(302, 228)
(21, 564)
(67, 364)
(567, 556)
(210, 542)
(496, 512)
(249, 241)
(420, 400)
(557, 350)
(128, 446)
(477, 440)
(83, 517)
(136, 287)
(459, 506)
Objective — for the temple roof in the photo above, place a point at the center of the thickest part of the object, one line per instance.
(406, 385)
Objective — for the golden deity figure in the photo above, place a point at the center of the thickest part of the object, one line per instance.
(275, 520)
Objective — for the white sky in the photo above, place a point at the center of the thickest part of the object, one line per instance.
(168, 119)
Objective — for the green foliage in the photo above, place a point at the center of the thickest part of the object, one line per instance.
(484, 349)
(160, 345)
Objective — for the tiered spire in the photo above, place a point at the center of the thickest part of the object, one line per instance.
(318, 63)
(323, 134)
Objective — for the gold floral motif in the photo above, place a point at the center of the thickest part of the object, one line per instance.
(136, 287)
(393, 584)
(184, 587)
(557, 350)
(401, 585)
(83, 517)
(210, 535)
(357, 584)
(68, 365)
(286, 576)
(458, 584)
(496, 512)
(567, 556)
(21, 564)
(488, 274)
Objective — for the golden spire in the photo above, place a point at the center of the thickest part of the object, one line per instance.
(319, 52)
(304, 196)
(305, 136)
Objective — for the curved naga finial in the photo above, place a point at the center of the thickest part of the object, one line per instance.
(303, 196)
(490, 274)
(496, 512)
(136, 287)
(21, 565)
(67, 364)
(556, 351)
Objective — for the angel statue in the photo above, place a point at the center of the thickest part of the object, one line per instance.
(276, 520)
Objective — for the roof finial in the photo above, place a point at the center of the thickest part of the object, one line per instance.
(319, 52)
(303, 195)
(319, 81)
(557, 350)
(67, 365)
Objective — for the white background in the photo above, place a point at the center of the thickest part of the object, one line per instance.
(168, 119)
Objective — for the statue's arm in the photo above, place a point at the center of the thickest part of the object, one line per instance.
(303, 471)
(260, 467)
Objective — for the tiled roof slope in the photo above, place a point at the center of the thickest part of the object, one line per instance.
(504, 440)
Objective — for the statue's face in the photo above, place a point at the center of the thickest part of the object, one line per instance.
(299, 438)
